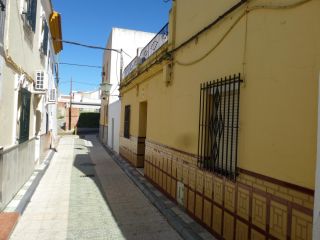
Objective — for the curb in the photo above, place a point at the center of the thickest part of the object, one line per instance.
(173, 219)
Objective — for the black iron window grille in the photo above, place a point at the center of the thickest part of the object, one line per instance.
(25, 97)
(127, 121)
(2, 20)
(218, 126)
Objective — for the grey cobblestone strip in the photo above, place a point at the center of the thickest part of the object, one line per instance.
(177, 218)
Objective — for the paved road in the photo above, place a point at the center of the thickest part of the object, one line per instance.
(85, 195)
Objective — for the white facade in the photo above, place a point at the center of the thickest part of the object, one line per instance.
(128, 44)
(27, 91)
(89, 101)
(114, 125)
(22, 56)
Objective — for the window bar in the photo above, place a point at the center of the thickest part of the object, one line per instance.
(210, 135)
(199, 156)
(220, 120)
(207, 128)
(232, 122)
(228, 128)
(202, 125)
(224, 122)
(237, 127)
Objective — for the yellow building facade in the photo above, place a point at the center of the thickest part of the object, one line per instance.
(272, 49)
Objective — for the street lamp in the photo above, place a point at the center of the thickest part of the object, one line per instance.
(105, 89)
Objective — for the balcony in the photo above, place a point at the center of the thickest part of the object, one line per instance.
(159, 40)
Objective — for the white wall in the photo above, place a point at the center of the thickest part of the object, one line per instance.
(128, 41)
(22, 46)
(114, 113)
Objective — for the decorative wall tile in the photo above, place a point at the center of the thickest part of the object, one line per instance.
(174, 168)
(179, 165)
(256, 235)
(164, 181)
(278, 220)
(228, 226)
(243, 203)
(199, 181)
(185, 174)
(229, 196)
(192, 178)
(164, 164)
(179, 171)
(208, 185)
(173, 188)
(169, 163)
(241, 231)
(207, 211)
(199, 206)
(217, 219)
(191, 201)
(259, 211)
(301, 226)
(218, 190)
(168, 187)
(185, 197)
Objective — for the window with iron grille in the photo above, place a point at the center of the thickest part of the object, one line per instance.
(29, 10)
(218, 126)
(2, 20)
(25, 97)
(44, 44)
(127, 121)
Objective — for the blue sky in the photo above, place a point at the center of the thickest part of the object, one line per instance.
(90, 22)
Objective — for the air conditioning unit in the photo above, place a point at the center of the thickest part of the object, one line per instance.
(41, 83)
(52, 95)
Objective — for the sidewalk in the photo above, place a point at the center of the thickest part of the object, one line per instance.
(85, 195)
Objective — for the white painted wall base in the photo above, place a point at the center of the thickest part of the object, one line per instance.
(114, 125)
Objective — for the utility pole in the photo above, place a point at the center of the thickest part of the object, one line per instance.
(70, 103)
(121, 63)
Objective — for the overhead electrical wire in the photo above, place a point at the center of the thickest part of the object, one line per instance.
(92, 46)
(294, 5)
(79, 65)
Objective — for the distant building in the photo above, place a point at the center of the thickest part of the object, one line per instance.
(131, 43)
(28, 86)
(81, 102)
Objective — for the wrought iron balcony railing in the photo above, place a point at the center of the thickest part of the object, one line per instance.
(159, 40)
(132, 65)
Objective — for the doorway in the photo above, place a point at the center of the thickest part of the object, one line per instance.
(143, 106)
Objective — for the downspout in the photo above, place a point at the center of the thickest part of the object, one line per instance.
(316, 211)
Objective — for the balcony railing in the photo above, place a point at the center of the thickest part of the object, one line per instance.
(160, 39)
(132, 65)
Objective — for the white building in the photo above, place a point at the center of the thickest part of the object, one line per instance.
(28, 86)
(126, 45)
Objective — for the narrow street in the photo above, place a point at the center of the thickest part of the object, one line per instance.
(85, 195)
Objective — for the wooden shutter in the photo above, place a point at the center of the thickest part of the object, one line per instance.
(32, 14)
(25, 97)
(127, 122)
(45, 39)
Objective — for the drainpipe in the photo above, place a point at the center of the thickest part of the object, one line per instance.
(316, 213)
